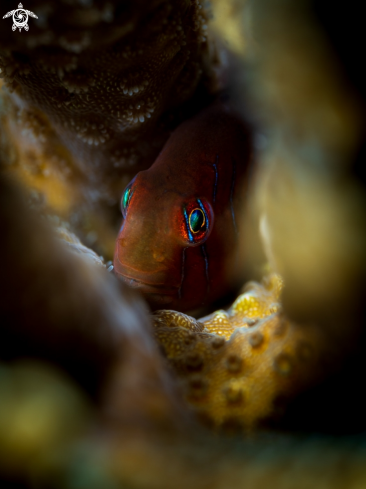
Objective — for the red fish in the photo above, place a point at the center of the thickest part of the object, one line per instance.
(179, 235)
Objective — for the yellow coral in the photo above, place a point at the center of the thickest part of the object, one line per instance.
(236, 367)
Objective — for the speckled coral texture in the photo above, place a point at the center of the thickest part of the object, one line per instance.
(111, 78)
(92, 92)
(238, 368)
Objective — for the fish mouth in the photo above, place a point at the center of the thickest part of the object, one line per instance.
(152, 285)
(156, 295)
(149, 288)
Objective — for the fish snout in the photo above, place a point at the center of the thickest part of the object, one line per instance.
(147, 258)
(143, 257)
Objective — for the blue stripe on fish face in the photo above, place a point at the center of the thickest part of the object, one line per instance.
(190, 237)
(205, 213)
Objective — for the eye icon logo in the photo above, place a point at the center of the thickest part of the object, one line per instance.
(20, 18)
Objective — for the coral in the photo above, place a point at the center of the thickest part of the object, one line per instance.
(239, 368)
(92, 94)
(312, 196)
(95, 89)
(61, 306)
(28, 388)
(104, 97)
(65, 309)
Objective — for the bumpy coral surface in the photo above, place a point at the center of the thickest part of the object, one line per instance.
(233, 371)
(238, 368)
(95, 91)
(103, 90)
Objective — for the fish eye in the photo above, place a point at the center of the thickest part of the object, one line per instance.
(196, 221)
(126, 197)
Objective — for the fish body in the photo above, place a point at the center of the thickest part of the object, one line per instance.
(179, 240)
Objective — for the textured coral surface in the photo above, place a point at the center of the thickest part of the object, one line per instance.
(96, 91)
(236, 367)
(102, 94)
(93, 90)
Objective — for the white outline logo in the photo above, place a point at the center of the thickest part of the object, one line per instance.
(20, 18)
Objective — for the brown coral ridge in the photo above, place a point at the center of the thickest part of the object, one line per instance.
(240, 368)
(111, 80)
(63, 309)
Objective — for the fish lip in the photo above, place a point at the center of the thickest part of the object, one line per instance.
(148, 282)
(148, 288)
